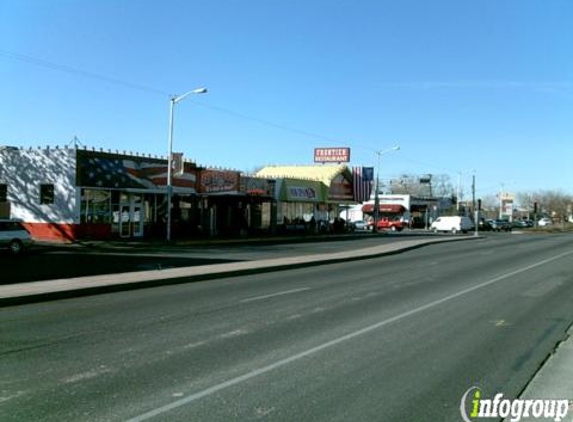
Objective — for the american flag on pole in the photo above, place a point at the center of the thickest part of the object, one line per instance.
(363, 178)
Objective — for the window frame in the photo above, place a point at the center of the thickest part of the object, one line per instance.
(47, 194)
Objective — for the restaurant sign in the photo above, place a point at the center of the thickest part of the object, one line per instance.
(214, 181)
(332, 155)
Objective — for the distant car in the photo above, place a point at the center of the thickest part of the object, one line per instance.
(396, 224)
(522, 224)
(14, 236)
(501, 225)
(544, 222)
(452, 224)
(361, 226)
(484, 224)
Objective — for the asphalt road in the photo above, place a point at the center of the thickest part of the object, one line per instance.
(398, 338)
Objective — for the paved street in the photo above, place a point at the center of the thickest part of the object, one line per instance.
(387, 339)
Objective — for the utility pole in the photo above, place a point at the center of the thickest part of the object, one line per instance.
(476, 210)
(474, 192)
(459, 192)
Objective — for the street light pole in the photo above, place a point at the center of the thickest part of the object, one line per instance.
(174, 100)
(376, 195)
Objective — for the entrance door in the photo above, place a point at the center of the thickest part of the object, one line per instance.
(124, 220)
(130, 220)
(137, 220)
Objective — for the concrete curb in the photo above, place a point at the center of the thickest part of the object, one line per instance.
(553, 381)
(23, 293)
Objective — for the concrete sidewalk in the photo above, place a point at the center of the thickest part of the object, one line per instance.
(22, 293)
(554, 380)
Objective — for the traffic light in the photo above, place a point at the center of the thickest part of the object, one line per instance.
(479, 204)
(535, 207)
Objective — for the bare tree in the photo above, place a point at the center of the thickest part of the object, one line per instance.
(442, 186)
(552, 203)
(436, 185)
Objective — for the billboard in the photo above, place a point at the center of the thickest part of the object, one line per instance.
(332, 155)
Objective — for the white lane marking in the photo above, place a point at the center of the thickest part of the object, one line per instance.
(234, 333)
(194, 345)
(293, 317)
(92, 373)
(4, 398)
(286, 292)
(249, 375)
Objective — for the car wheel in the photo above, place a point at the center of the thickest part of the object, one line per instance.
(454, 231)
(16, 247)
(393, 228)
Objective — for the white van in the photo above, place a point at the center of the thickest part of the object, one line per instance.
(452, 224)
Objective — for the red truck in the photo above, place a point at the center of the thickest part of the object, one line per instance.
(395, 224)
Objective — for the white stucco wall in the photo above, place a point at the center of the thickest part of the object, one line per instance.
(24, 170)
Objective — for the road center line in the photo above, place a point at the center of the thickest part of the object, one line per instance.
(249, 375)
(286, 292)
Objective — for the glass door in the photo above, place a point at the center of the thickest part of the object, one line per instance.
(131, 220)
(124, 220)
(137, 220)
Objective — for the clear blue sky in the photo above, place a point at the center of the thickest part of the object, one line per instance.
(460, 85)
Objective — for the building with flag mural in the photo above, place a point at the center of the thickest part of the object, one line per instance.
(70, 193)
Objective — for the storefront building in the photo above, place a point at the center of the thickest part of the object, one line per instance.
(66, 194)
(310, 193)
(416, 211)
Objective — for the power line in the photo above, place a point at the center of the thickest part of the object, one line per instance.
(92, 75)
(278, 125)
(78, 72)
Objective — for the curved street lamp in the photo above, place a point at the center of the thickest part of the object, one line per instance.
(174, 100)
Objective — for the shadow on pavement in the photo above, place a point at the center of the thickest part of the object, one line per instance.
(37, 266)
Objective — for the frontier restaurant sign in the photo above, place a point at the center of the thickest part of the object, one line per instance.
(331, 155)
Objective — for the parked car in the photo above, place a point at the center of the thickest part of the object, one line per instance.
(394, 224)
(501, 225)
(14, 236)
(522, 224)
(545, 221)
(361, 226)
(484, 224)
(452, 224)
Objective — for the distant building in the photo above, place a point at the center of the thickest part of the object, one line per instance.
(417, 211)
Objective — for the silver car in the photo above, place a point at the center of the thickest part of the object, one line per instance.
(14, 236)
(361, 225)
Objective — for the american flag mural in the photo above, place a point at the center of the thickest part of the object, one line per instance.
(363, 178)
(109, 171)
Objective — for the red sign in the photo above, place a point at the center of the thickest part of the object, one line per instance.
(213, 181)
(331, 155)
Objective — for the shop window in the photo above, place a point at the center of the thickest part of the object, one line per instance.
(46, 194)
(95, 206)
(3, 193)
